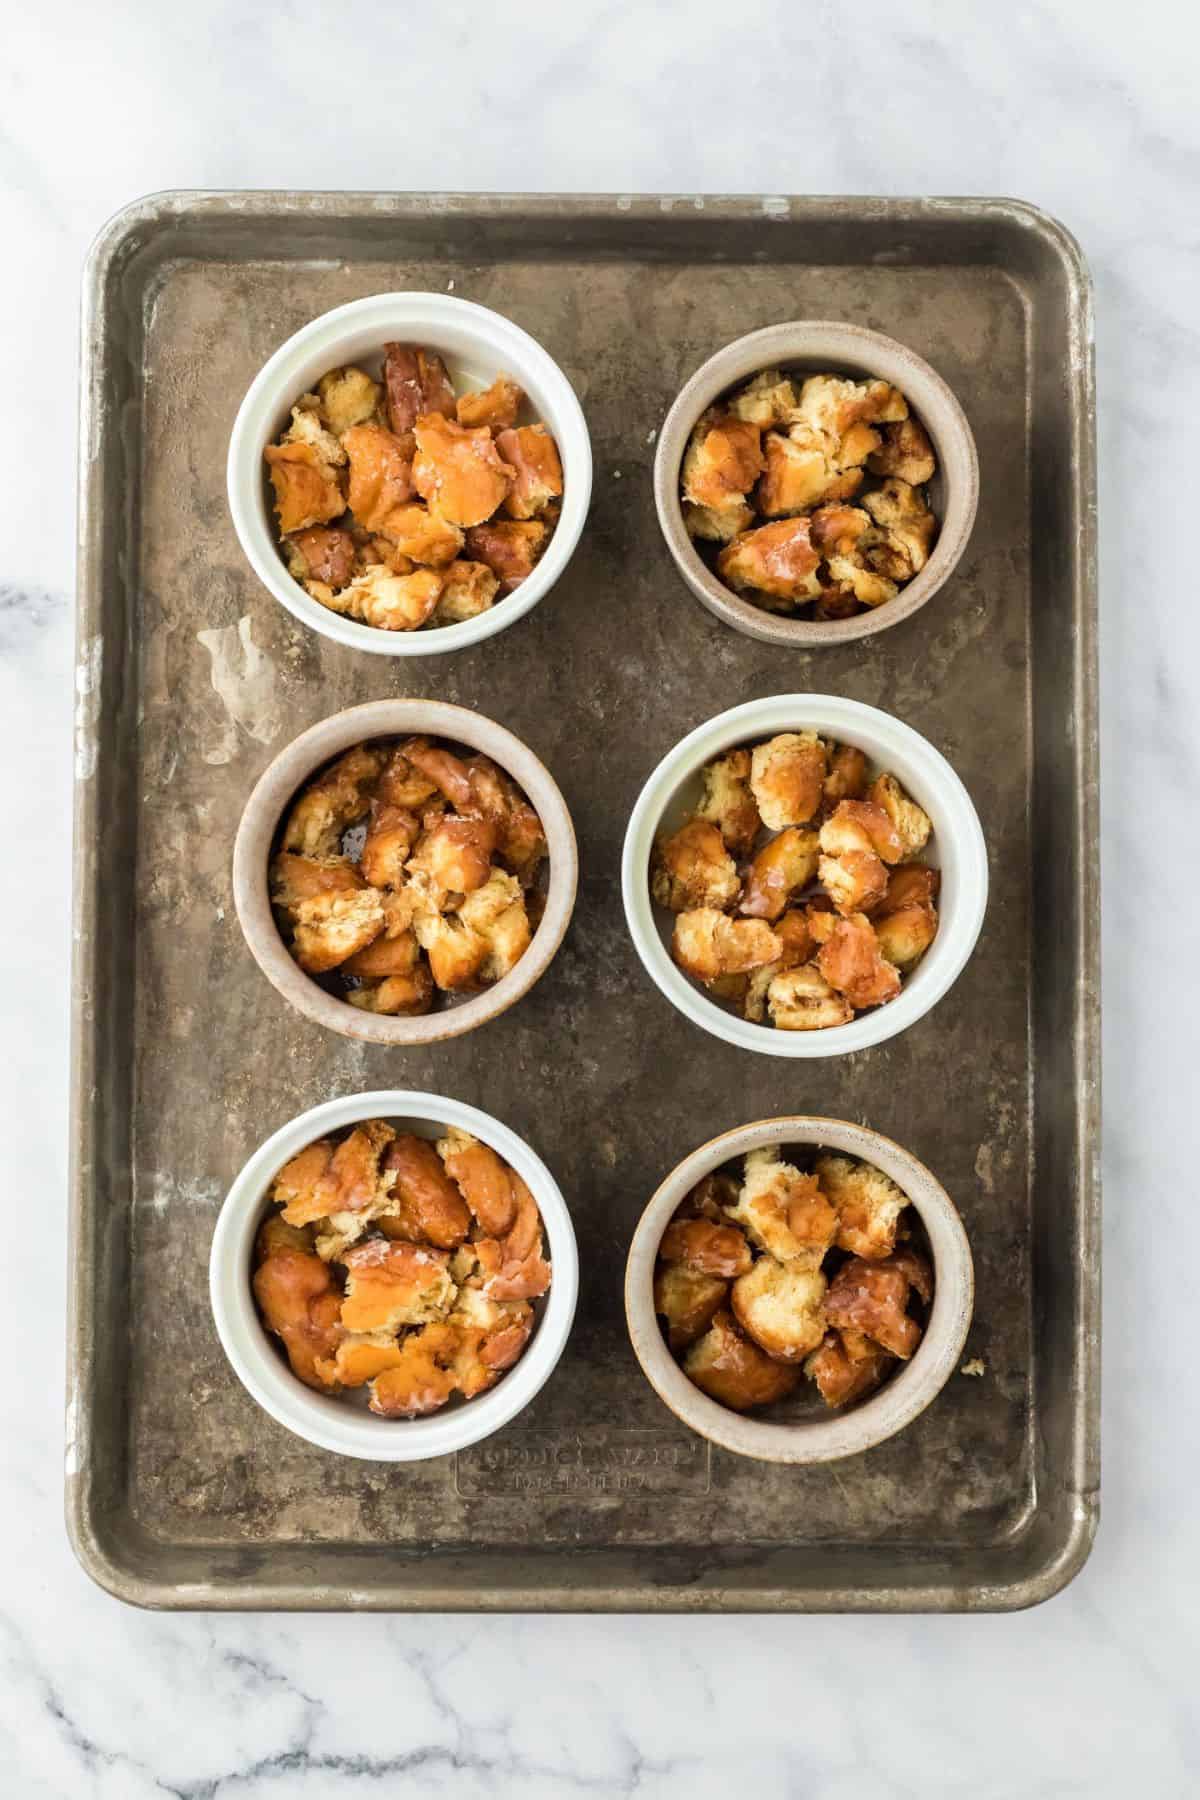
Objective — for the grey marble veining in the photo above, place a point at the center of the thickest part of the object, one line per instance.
(1088, 110)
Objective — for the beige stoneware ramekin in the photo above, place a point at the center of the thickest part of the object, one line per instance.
(308, 753)
(336, 1424)
(817, 347)
(814, 1434)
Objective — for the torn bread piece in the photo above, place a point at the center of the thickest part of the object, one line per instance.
(730, 1367)
(868, 1204)
(693, 868)
(784, 1211)
(780, 1306)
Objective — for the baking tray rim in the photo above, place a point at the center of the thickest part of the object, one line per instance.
(101, 1558)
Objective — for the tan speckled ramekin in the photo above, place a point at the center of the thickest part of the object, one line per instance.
(278, 785)
(817, 347)
(903, 1395)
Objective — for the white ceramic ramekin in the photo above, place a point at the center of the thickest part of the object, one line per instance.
(336, 1424)
(477, 345)
(957, 847)
(822, 1436)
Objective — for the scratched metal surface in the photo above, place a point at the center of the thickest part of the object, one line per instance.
(180, 1492)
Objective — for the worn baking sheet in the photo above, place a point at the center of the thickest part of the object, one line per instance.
(180, 1492)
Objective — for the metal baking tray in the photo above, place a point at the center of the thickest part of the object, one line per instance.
(182, 1493)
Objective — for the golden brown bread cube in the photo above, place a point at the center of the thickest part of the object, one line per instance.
(514, 1267)
(520, 837)
(905, 934)
(868, 588)
(301, 1304)
(391, 834)
(730, 1368)
(304, 1187)
(770, 399)
(857, 443)
(862, 825)
(797, 946)
(445, 1357)
(830, 404)
(899, 509)
(496, 912)
(456, 954)
(428, 1206)
(307, 488)
(332, 803)
(422, 1378)
(847, 777)
(841, 1378)
(778, 872)
(394, 952)
(456, 855)
(787, 778)
(836, 529)
(868, 1203)
(784, 1211)
(912, 884)
(801, 999)
(910, 824)
(717, 524)
(687, 1299)
(390, 1282)
(324, 554)
(496, 406)
(416, 383)
(532, 454)
(707, 945)
(483, 1179)
(362, 1355)
(459, 472)
(380, 476)
(851, 962)
(296, 878)
(404, 995)
(722, 461)
(505, 1327)
(509, 547)
(856, 881)
(797, 475)
(394, 602)
(905, 451)
(777, 559)
(693, 868)
(336, 1184)
(710, 1249)
(448, 772)
(906, 920)
(331, 927)
(728, 803)
(468, 590)
(348, 397)
(779, 1305)
(402, 784)
(423, 536)
(871, 1297)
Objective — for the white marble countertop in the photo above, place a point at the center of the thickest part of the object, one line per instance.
(1087, 109)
